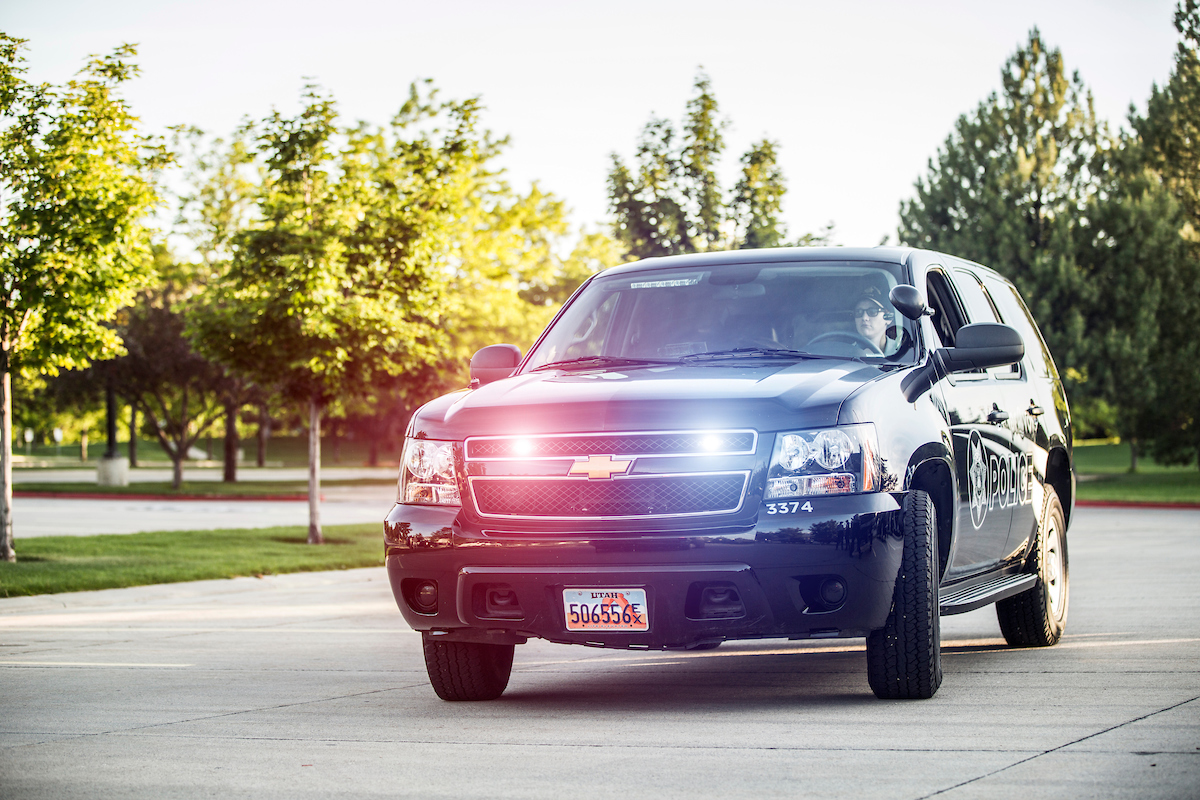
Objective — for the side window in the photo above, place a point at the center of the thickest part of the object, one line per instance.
(1016, 313)
(947, 314)
(981, 309)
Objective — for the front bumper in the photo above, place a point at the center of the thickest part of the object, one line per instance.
(777, 567)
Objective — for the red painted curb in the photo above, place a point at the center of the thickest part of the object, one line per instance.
(1133, 504)
(197, 497)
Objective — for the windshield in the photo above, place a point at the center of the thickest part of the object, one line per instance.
(764, 311)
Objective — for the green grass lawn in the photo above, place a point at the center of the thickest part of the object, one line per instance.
(52, 564)
(1104, 475)
(199, 488)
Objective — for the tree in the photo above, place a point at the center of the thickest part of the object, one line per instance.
(671, 201)
(180, 392)
(758, 199)
(1170, 145)
(76, 184)
(1130, 252)
(338, 286)
(1010, 186)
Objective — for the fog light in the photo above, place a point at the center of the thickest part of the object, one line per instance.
(425, 598)
(833, 592)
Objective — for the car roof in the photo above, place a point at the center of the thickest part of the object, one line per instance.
(891, 255)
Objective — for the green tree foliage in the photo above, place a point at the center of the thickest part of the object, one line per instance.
(339, 287)
(1130, 253)
(1170, 146)
(758, 198)
(671, 201)
(1010, 185)
(75, 187)
(180, 392)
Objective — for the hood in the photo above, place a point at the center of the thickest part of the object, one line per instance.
(762, 396)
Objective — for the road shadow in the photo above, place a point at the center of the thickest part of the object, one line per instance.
(747, 678)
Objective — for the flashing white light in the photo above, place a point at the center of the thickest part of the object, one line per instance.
(711, 443)
(522, 447)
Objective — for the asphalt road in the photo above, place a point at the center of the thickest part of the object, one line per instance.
(311, 686)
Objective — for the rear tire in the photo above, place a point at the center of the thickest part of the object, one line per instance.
(1037, 617)
(467, 670)
(904, 657)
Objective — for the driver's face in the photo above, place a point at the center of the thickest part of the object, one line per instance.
(868, 319)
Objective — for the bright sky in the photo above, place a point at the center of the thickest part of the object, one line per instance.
(859, 95)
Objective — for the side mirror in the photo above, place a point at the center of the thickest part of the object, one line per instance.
(983, 345)
(977, 346)
(493, 363)
(908, 301)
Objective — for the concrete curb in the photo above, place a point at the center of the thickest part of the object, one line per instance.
(1133, 504)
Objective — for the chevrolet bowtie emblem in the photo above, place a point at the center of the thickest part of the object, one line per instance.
(599, 467)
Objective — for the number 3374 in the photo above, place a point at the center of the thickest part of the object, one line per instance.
(789, 508)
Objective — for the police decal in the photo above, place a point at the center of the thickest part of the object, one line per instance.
(995, 480)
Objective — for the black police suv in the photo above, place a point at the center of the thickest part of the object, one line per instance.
(796, 443)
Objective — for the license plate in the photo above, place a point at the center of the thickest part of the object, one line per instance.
(606, 609)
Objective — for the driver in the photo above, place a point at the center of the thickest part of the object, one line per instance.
(876, 322)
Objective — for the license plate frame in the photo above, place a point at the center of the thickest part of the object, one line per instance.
(604, 609)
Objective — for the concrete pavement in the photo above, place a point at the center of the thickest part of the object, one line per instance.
(56, 516)
(87, 475)
(310, 685)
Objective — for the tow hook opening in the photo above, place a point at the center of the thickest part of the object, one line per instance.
(714, 601)
(496, 601)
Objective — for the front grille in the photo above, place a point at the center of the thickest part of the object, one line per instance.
(618, 444)
(669, 495)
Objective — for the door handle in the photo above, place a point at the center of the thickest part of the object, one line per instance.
(1034, 409)
(996, 415)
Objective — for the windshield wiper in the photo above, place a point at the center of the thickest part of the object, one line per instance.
(588, 362)
(753, 352)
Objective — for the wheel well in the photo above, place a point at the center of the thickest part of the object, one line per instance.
(935, 478)
(1058, 475)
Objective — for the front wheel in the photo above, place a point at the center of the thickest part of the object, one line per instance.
(1037, 617)
(904, 657)
(467, 670)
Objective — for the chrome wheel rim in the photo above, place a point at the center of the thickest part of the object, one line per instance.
(1053, 572)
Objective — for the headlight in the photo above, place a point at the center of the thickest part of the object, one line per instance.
(427, 473)
(829, 461)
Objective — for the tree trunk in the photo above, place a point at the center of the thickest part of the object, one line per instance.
(177, 469)
(314, 472)
(264, 433)
(7, 552)
(110, 420)
(1133, 453)
(373, 452)
(83, 439)
(231, 441)
(133, 433)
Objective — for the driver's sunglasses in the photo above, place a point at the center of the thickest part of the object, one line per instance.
(871, 312)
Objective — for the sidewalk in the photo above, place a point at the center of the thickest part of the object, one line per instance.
(45, 516)
(87, 474)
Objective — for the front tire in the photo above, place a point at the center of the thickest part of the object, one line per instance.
(904, 657)
(1037, 617)
(467, 670)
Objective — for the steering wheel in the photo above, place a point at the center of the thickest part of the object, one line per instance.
(847, 336)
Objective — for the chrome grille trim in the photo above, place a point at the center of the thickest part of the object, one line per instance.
(474, 482)
(558, 446)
